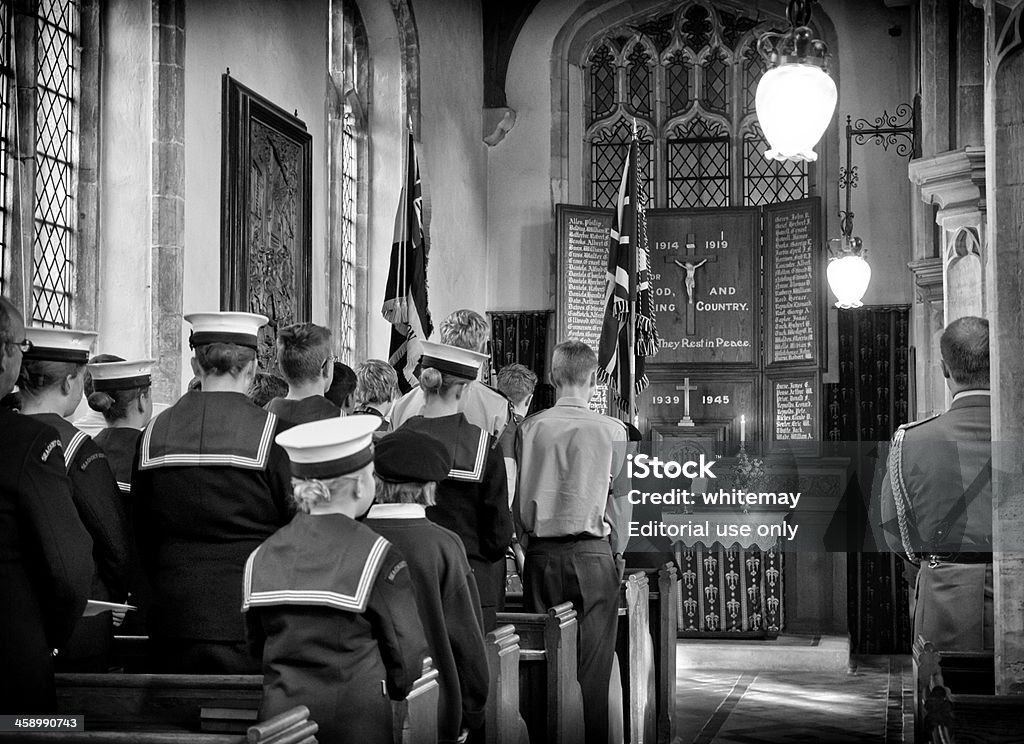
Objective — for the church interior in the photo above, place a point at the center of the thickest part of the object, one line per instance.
(176, 156)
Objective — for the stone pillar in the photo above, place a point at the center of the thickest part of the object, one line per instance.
(1004, 138)
(970, 76)
(23, 180)
(929, 319)
(89, 260)
(935, 76)
(168, 234)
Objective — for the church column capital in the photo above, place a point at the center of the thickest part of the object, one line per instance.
(928, 278)
(952, 180)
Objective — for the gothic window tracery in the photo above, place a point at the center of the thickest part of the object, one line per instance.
(688, 78)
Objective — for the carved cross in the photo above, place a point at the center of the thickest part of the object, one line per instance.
(686, 388)
(690, 263)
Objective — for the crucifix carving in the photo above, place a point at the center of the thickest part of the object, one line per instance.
(690, 263)
(686, 388)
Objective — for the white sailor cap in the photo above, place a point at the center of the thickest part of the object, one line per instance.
(121, 375)
(451, 359)
(330, 447)
(225, 328)
(59, 345)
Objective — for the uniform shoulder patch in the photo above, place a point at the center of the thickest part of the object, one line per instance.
(395, 571)
(48, 450)
(90, 460)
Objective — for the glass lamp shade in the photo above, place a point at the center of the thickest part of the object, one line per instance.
(848, 278)
(794, 105)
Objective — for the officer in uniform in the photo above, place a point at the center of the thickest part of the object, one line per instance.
(472, 501)
(482, 405)
(51, 383)
(936, 499)
(209, 485)
(328, 602)
(47, 568)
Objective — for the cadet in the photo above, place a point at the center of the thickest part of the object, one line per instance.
(209, 486)
(376, 384)
(46, 573)
(329, 602)
(51, 383)
(407, 466)
(304, 356)
(473, 500)
(121, 393)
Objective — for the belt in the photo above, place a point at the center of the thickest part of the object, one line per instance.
(564, 539)
(962, 558)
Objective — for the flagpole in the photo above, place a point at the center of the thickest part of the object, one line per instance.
(628, 414)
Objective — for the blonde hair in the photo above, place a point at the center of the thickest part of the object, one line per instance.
(376, 382)
(308, 492)
(435, 382)
(423, 494)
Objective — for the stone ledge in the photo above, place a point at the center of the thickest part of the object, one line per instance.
(788, 652)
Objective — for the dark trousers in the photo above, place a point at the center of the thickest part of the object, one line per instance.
(490, 585)
(582, 572)
(188, 656)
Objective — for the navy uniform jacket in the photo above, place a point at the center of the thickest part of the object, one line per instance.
(935, 466)
(46, 565)
(119, 444)
(449, 607)
(472, 501)
(209, 486)
(100, 506)
(330, 606)
(295, 412)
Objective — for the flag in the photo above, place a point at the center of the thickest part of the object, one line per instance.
(628, 333)
(405, 297)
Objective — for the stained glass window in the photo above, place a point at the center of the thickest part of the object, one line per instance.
(56, 154)
(689, 78)
(6, 125)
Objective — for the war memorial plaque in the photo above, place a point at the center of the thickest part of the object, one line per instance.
(793, 406)
(792, 253)
(705, 284)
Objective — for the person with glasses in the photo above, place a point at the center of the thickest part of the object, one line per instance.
(305, 359)
(46, 574)
(51, 382)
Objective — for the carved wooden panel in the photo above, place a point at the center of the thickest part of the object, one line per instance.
(266, 213)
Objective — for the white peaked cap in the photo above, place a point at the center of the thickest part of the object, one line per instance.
(225, 327)
(121, 375)
(59, 345)
(451, 359)
(330, 447)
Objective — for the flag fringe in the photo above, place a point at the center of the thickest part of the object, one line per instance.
(396, 310)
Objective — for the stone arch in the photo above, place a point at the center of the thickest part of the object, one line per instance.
(590, 20)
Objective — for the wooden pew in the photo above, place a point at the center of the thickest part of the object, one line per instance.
(208, 705)
(503, 722)
(635, 650)
(955, 701)
(291, 727)
(550, 699)
(663, 618)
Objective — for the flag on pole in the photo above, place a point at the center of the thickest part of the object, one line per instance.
(405, 297)
(628, 333)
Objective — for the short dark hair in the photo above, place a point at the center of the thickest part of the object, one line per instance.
(223, 359)
(39, 375)
(265, 387)
(113, 404)
(572, 363)
(964, 346)
(516, 381)
(302, 349)
(342, 386)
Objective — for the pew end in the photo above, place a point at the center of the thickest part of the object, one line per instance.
(416, 716)
(503, 722)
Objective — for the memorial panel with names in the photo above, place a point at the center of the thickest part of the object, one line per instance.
(792, 251)
(700, 396)
(582, 243)
(705, 283)
(792, 401)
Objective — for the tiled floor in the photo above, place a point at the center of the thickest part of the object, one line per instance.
(867, 705)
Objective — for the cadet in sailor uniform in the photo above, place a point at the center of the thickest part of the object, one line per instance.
(119, 390)
(473, 500)
(209, 486)
(936, 500)
(304, 356)
(47, 568)
(329, 602)
(51, 382)
(407, 466)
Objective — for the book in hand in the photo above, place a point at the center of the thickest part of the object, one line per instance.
(95, 607)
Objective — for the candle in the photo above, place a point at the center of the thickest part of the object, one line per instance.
(743, 429)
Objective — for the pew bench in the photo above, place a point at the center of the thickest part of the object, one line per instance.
(955, 701)
(503, 723)
(291, 727)
(550, 700)
(635, 650)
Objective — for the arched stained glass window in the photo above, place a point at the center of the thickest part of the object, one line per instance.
(688, 77)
